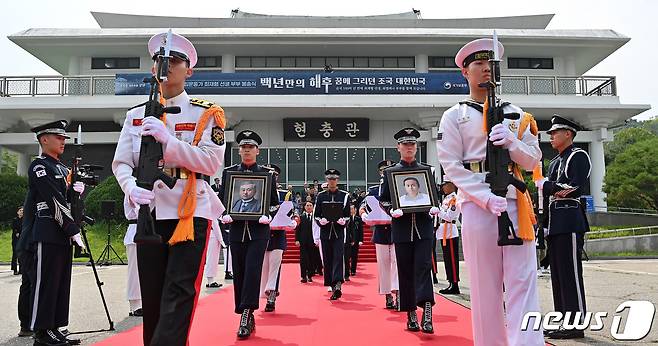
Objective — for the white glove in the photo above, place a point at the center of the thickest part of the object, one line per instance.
(264, 219)
(152, 126)
(502, 136)
(540, 183)
(78, 240)
(397, 213)
(342, 221)
(497, 205)
(364, 218)
(360, 243)
(223, 244)
(79, 187)
(140, 196)
(317, 242)
(434, 211)
(226, 219)
(324, 221)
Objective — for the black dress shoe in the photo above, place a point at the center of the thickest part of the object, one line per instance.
(426, 323)
(304, 280)
(337, 293)
(47, 338)
(137, 313)
(566, 334)
(390, 303)
(228, 276)
(25, 332)
(66, 338)
(214, 285)
(310, 279)
(347, 278)
(269, 307)
(244, 330)
(353, 273)
(412, 321)
(452, 289)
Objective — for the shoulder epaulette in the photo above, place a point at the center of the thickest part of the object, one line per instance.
(139, 105)
(201, 103)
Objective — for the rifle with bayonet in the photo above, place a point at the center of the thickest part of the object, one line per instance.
(151, 163)
(498, 161)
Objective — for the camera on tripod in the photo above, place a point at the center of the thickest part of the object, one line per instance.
(86, 174)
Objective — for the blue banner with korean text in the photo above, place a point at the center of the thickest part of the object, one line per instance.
(305, 83)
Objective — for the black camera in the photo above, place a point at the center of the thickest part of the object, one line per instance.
(87, 175)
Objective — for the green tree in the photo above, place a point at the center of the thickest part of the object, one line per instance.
(8, 161)
(13, 189)
(107, 190)
(631, 180)
(623, 139)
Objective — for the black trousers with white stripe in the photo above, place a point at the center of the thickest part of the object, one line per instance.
(414, 261)
(52, 286)
(565, 251)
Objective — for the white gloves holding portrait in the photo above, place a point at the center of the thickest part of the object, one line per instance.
(397, 213)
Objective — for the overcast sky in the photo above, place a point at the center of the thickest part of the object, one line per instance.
(633, 18)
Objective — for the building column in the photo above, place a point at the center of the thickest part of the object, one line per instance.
(228, 63)
(598, 171)
(422, 63)
(23, 164)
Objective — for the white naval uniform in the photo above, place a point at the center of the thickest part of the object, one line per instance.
(133, 294)
(446, 213)
(491, 266)
(206, 158)
(212, 252)
(270, 272)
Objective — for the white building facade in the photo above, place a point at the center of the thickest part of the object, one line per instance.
(543, 72)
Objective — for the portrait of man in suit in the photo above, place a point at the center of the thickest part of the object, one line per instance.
(245, 197)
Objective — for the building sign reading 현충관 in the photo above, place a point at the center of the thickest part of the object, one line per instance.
(331, 129)
(305, 83)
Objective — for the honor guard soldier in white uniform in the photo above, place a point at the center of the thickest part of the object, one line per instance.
(413, 237)
(564, 186)
(387, 268)
(53, 231)
(461, 146)
(448, 234)
(193, 149)
(332, 233)
(248, 238)
(133, 293)
(271, 274)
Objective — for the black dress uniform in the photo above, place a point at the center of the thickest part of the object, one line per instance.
(52, 229)
(354, 235)
(26, 254)
(568, 175)
(332, 236)
(304, 235)
(249, 241)
(413, 236)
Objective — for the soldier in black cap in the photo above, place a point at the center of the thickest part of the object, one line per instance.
(52, 232)
(413, 237)
(385, 250)
(564, 186)
(248, 238)
(332, 233)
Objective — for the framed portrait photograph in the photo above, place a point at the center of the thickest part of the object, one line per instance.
(413, 190)
(247, 196)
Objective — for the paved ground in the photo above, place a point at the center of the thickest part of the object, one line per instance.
(608, 283)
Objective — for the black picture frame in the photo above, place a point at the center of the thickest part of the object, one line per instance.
(427, 196)
(332, 211)
(261, 195)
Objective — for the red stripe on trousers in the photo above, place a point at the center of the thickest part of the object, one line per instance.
(199, 278)
(452, 255)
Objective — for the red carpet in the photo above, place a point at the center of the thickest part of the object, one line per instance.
(305, 316)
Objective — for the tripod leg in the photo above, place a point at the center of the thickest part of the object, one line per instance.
(115, 254)
(99, 283)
